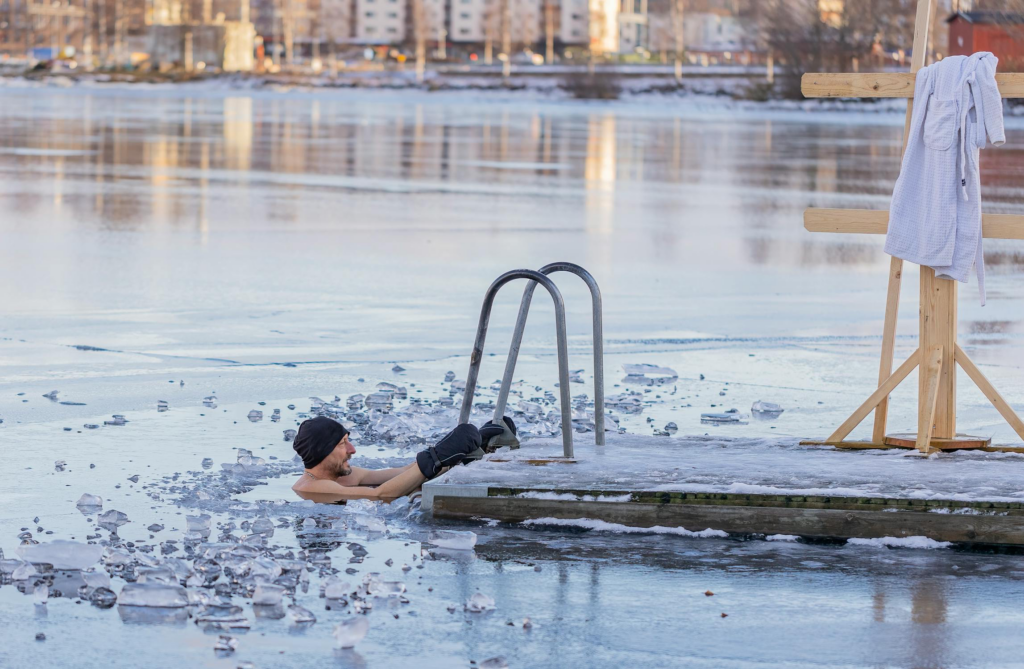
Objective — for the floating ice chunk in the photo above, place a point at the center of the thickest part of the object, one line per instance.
(40, 594)
(457, 386)
(397, 369)
(576, 376)
(162, 405)
(62, 554)
(59, 466)
(23, 571)
(264, 526)
(453, 539)
(648, 370)
(255, 416)
(719, 418)
(335, 588)
(449, 377)
(386, 387)
(350, 632)
(52, 395)
(207, 463)
(389, 589)
(116, 419)
(111, 520)
(309, 524)
(163, 595)
(626, 403)
(379, 401)
(92, 501)
(115, 557)
(782, 537)
(479, 602)
(370, 523)
(199, 524)
(268, 594)
(289, 435)
(494, 663)
(102, 598)
(300, 615)
(225, 645)
(671, 428)
(763, 407)
(159, 574)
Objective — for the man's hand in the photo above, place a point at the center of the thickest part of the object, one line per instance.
(451, 450)
(491, 429)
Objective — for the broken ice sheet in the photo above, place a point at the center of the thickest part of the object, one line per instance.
(62, 554)
(255, 416)
(268, 594)
(765, 410)
(453, 539)
(199, 524)
(350, 632)
(225, 645)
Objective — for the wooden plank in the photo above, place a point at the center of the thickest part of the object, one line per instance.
(989, 390)
(938, 322)
(883, 390)
(892, 307)
(876, 222)
(887, 85)
(930, 374)
(753, 516)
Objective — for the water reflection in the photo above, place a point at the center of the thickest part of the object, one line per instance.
(205, 163)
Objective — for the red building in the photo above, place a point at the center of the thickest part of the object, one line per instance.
(1002, 33)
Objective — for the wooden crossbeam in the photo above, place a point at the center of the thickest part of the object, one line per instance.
(880, 394)
(887, 85)
(876, 222)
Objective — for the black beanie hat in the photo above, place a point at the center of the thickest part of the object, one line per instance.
(316, 438)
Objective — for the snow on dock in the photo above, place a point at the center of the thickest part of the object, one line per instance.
(746, 486)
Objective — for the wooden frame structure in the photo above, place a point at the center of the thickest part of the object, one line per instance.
(938, 352)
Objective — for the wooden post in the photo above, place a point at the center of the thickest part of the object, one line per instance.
(938, 329)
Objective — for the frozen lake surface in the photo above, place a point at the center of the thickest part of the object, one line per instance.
(269, 247)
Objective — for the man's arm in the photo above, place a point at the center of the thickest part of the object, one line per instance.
(371, 477)
(326, 491)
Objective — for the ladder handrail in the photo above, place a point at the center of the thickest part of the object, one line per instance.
(598, 335)
(562, 347)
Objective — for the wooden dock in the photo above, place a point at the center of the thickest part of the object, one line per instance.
(559, 492)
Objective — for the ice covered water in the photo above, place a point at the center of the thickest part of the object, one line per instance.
(456, 540)
(62, 554)
(300, 615)
(112, 519)
(87, 500)
(161, 595)
(479, 602)
(268, 594)
(350, 632)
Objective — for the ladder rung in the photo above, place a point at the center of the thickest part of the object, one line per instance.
(876, 222)
(887, 85)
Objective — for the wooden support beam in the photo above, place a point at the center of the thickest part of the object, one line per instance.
(887, 85)
(931, 373)
(876, 222)
(892, 307)
(989, 391)
(883, 391)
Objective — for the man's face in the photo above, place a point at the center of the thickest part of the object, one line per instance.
(339, 457)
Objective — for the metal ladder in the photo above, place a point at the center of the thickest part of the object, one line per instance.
(534, 278)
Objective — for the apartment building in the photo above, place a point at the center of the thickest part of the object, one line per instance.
(380, 21)
(475, 21)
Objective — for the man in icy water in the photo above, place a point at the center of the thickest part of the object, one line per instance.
(325, 449)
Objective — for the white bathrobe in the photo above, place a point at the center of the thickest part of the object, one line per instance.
(935, 216)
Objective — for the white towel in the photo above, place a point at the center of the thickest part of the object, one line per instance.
(935, 216)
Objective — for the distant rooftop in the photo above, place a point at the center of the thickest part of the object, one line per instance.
(989, 17)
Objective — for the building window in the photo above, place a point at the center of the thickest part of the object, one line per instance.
(463, 31)
(370, 30)
(464, 15)
(369, 15)
(392, 31)
(392, 15)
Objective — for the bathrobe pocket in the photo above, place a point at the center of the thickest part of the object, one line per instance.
(940, 124)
